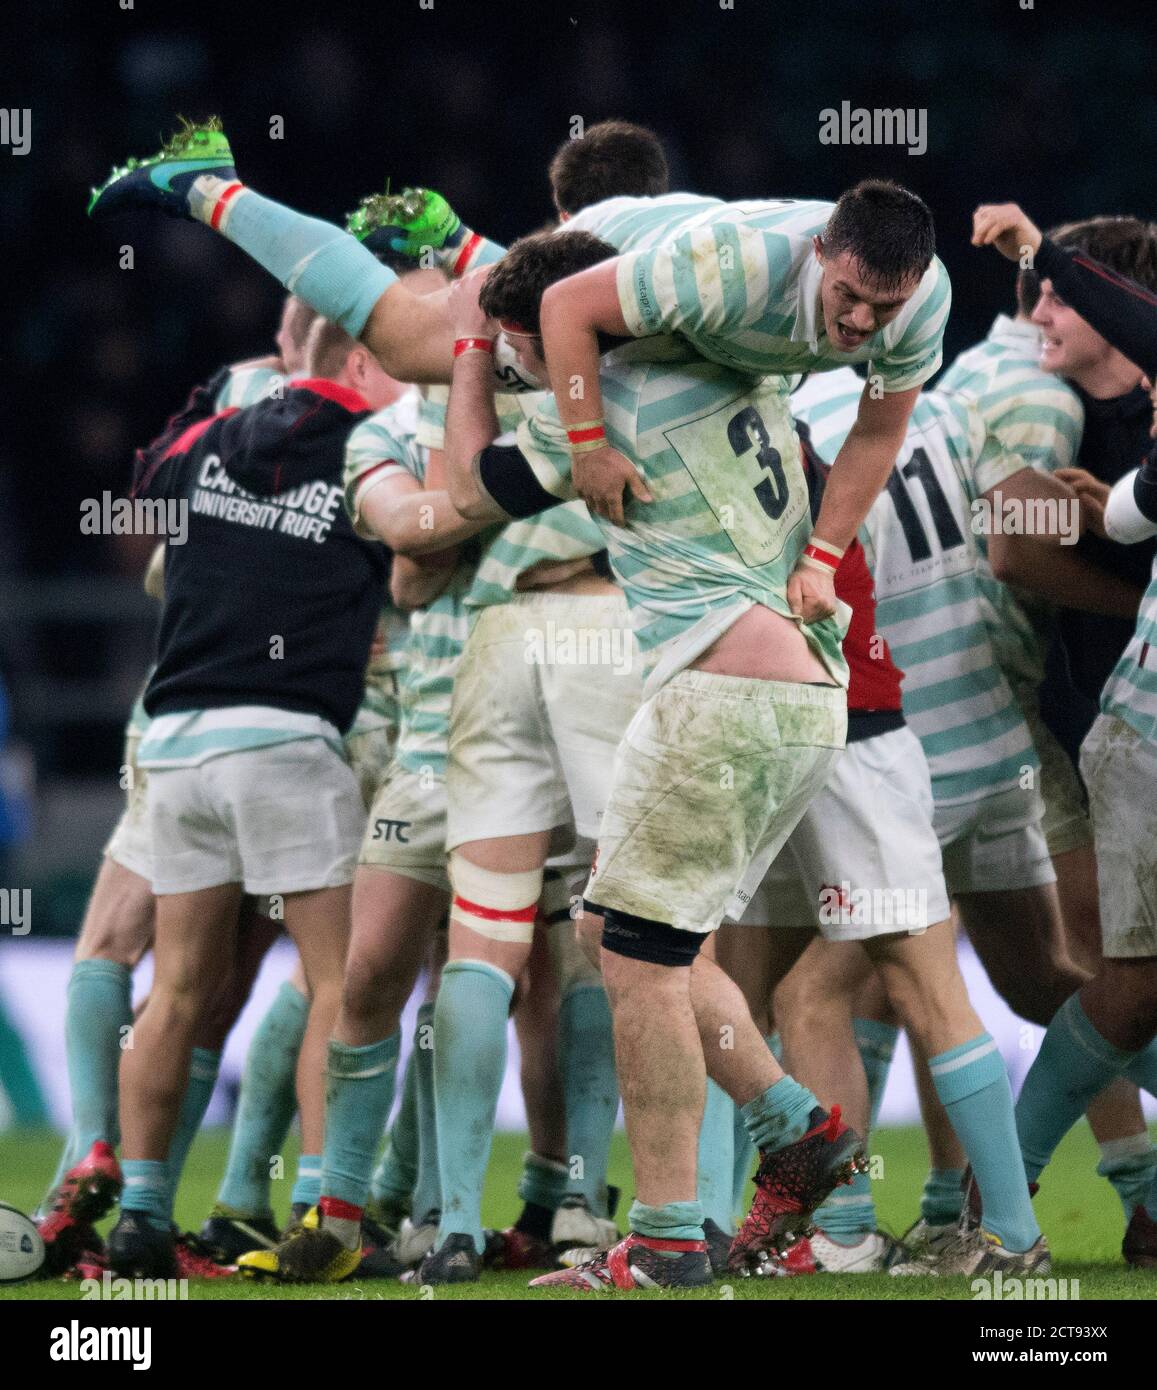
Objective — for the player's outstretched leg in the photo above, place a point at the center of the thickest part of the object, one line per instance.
(194, 177)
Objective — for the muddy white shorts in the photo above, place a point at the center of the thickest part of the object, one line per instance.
(369, 749)
(406, 829)
(545, 689)
(712, 776)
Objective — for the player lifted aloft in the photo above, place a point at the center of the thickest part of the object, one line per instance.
(761, 287)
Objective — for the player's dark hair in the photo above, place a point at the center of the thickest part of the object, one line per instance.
(1125, 244)
(514, 288)
(888, 230)
(613, 159)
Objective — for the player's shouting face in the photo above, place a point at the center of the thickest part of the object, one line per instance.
(856, 303)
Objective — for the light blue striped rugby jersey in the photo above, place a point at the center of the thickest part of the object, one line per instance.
(384, 445)
(567, 532)
(1130, 693)
(741, 283)
(930, 608)
(730, 515)
(1033, 418)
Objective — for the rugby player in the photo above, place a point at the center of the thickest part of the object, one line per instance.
(922, 549)
(117, 931)
(738, 693)
(238, 729)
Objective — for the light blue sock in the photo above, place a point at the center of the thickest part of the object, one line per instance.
(428, 1188)
(972, 1084)
(393, 1181)
(1074, 1064)
(469, 1064)
(1130, 1164)
(543, 1181)
(716, 1160)
(307, 1184)
(146, 1189)
(100, 1006)
(780, 1115)
(358, 1094)
(877, 1046)
(742, 1147)
(672, 1221)
(266, 1106)
(586, 1059)
(321, 264)
(203, 1068)
(849, 1214)
(942, 1199)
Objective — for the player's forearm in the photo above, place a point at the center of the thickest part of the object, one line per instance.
(471, 424)
(1064, 577)
(1059, 521)
(571, 347)
(418, 523)
(857, 477)
(414, 585)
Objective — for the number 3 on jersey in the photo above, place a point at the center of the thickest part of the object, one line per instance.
(744, 459)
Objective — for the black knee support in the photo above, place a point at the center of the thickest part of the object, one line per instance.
(640, 938)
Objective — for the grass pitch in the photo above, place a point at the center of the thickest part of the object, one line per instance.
(1078, 1211)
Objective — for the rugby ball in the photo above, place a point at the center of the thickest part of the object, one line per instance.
(21, 1249)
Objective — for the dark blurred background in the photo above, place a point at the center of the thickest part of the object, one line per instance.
(1054, 106)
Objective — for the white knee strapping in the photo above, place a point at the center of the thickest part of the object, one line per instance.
(495, 905)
